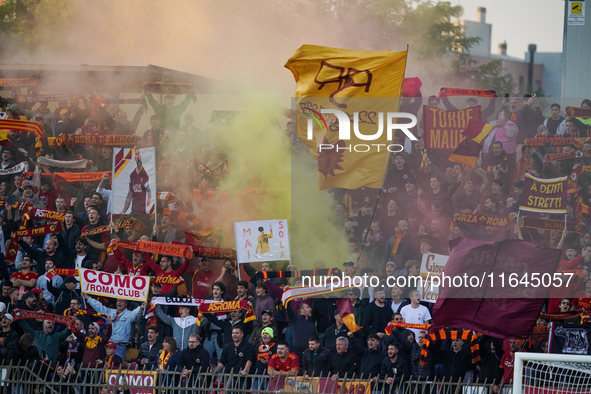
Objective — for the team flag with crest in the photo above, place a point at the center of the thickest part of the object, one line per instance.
(363, 85)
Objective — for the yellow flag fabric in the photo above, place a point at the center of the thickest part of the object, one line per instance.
(365, 84)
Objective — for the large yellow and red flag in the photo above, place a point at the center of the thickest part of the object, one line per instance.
(363, 86)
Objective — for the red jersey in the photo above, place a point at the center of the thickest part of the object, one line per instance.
(142, 269)
(28, 276)
(202, 281)
(166, 288)
(507, 364)
(138, 183)
(582, 301)
(291, 362)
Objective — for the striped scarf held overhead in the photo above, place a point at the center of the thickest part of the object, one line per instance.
(390, 326)
(464, 335)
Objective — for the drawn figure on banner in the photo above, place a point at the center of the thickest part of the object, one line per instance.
(139, 194)
(576, 340)
(263, 241)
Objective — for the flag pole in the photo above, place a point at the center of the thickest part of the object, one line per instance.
(384, 172)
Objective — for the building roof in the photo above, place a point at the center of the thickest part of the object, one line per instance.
(119, 79)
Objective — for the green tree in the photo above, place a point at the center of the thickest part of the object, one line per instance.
(436, 40)
(23, 22)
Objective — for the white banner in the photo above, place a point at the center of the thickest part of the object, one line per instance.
(263, 240)
(179, 301)
(101, 283)
(134, 180)
(431, 266)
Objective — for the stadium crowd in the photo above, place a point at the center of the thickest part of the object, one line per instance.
(308, 337)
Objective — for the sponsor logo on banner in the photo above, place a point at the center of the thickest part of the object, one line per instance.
(264, 240)
(127, 287)
(432, 266)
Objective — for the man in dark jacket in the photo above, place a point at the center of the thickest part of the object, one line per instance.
(343, 362)
(194, 359)
(455, 361)
(302, 327)
(149, 350)
(337, 330)
(377, 315)
(8, 336)
(321, 312)
(315, 359)
(394, 367)
(237, 356)
(371, 359)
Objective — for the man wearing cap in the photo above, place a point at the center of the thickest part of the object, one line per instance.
(111, 360)
(28, 196)
(28, 301)
(267, 322)
(122, 320)
(265, 349)
(8, 336)
(25, 277)
(65, 125)
(64, 294)
(349, 269)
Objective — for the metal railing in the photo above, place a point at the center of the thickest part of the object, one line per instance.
(39, 378)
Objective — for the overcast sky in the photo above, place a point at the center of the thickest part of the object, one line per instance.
(520, 23)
